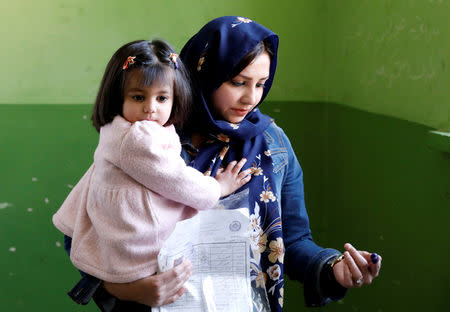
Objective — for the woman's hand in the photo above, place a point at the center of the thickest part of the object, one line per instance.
(155, 290)
(356, 269)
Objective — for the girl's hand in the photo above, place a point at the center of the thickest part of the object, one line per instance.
(232, 178)
(356, 269)
(155, 290)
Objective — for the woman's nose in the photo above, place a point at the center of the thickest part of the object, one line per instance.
(250, 96)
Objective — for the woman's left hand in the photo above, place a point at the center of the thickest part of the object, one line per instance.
(356, 269)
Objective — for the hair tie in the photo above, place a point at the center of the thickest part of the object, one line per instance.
(130, 61)
(174, 57)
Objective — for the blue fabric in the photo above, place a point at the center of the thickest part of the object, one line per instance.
(304, 260)
(214, 51)
(211, 55)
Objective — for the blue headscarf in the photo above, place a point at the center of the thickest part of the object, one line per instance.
(211, 55)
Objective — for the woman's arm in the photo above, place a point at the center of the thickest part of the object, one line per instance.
(304, 259)
(308, 262)
(155, 290)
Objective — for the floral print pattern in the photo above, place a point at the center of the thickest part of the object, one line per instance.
(276, 250)
(222, 137)
(201, 60)
(241, 20)
(281, 298)
(267, 196)
(266, 242)
(256, 171)
(226, 44)
(261, 279)
(274, 272)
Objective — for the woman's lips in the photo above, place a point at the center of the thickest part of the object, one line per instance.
(240, 112)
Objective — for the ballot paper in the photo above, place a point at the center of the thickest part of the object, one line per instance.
(217, 243)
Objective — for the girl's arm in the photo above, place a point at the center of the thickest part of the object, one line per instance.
(150, 154)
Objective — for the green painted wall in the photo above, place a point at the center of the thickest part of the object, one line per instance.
(55, 51)
(377, 182)
(381, 56)
(390, 57)
(370, 180)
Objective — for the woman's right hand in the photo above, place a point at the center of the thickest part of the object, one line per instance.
(155, 290)
(357, 268)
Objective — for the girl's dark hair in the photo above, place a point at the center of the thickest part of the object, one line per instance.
(152, 63)
(263, 46)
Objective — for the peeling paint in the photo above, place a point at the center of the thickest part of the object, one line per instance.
(5, 205)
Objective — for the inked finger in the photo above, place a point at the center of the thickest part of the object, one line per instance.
(374, 268)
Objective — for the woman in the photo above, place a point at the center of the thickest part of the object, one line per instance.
(233, 61)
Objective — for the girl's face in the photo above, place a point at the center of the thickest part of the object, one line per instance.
(235, 98)
(153, 102)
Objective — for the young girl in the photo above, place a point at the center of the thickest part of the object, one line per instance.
(138, 187)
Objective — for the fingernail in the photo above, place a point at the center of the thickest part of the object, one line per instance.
(374, 258)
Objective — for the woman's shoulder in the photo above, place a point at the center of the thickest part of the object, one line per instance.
(275, 135)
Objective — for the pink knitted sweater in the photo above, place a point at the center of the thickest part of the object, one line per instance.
(130, 199)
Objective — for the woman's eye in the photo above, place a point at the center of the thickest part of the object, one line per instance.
(236, 83)
(162, 98)
(260, 85)
(138, 98)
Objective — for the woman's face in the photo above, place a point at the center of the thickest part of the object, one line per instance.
(235, 98)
